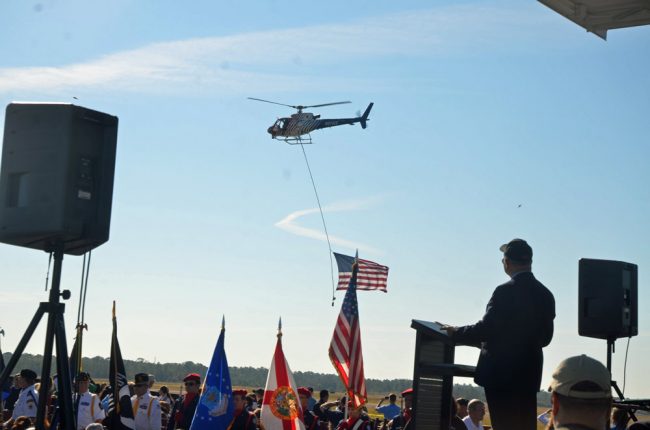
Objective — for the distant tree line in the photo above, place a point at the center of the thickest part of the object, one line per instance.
(245, 376)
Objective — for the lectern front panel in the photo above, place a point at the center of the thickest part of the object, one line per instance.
(432, 351)
(428, 409)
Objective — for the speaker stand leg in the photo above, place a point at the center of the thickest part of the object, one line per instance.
(619, 393)
(65, 401)
(54, 320)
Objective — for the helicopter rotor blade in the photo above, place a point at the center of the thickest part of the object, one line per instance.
(275, 103)
(327, 104)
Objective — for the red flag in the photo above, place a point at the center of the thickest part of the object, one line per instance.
(281, 405)
(345, 347)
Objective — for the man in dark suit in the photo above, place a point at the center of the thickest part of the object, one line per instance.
(517, 324)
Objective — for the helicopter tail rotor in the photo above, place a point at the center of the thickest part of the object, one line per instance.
(364, 117)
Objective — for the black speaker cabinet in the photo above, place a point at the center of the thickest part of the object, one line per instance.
(56, 179)
(608, 300)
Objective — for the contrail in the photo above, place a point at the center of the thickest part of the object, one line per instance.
(289, 224)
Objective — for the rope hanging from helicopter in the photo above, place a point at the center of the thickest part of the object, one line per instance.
(292, 129)
(322, 217)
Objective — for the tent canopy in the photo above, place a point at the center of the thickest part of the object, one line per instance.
(598, 16)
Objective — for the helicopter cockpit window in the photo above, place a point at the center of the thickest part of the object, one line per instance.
(280, 124)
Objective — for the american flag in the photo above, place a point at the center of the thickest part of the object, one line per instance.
(371, 276)
(345, 347)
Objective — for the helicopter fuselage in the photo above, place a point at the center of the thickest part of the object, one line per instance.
(302, 123)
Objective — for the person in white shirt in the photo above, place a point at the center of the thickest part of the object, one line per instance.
(476, 412)
(146, 408)
(27, 402)
(89, 407)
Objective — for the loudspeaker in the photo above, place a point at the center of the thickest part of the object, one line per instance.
(56, 178)
(607, 294)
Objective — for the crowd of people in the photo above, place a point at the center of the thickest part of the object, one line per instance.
(580, 400)
(161, 410)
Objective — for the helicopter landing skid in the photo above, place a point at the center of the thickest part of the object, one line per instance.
(298, 140)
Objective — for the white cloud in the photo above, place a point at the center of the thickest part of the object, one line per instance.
(234, 63)
(289, 224)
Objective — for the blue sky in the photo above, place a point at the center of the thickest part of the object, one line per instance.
(480, 106)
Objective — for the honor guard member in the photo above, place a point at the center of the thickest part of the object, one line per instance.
(308, 417)
(146, 408)
(89, 407)
(356, 421)
(184, 408)
(242, 419)
(27, 402)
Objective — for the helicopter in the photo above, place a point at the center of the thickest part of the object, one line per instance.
(293, 129)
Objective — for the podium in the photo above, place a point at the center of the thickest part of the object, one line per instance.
(433, 376)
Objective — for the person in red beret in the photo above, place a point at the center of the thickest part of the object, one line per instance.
(400, 421)
(310, 419)
(357, 420)
(242, 418)
(183, 411)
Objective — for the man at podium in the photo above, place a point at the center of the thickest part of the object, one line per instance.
(517, 324)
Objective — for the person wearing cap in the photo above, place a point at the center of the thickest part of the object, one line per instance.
(146, 408)
(357, 420)
(517, 324)
(242, 418)
(310, 419)
(89, 408)
(27, 402)
(404, 417)
(184, 408)
(581, 394)
(391, 410)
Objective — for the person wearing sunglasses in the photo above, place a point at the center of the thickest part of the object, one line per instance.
(185, 406)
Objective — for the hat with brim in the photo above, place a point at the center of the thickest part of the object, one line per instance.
(141, 379)
(28, 374)
(581, 377)
(83, 376)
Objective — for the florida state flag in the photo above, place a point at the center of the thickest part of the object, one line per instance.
(281, 405)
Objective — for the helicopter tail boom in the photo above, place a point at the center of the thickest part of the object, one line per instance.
(364, 117)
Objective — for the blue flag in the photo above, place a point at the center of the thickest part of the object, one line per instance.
(215, 408)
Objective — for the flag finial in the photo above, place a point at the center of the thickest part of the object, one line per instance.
(223, 322)
(280, 328)
(113, 309)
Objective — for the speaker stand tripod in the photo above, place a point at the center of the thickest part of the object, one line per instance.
(55, 332)
(629, 405)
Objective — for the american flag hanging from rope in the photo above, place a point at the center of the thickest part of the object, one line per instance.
(345, 347)
(371, 276)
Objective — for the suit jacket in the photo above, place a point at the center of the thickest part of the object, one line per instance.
(517, 324)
